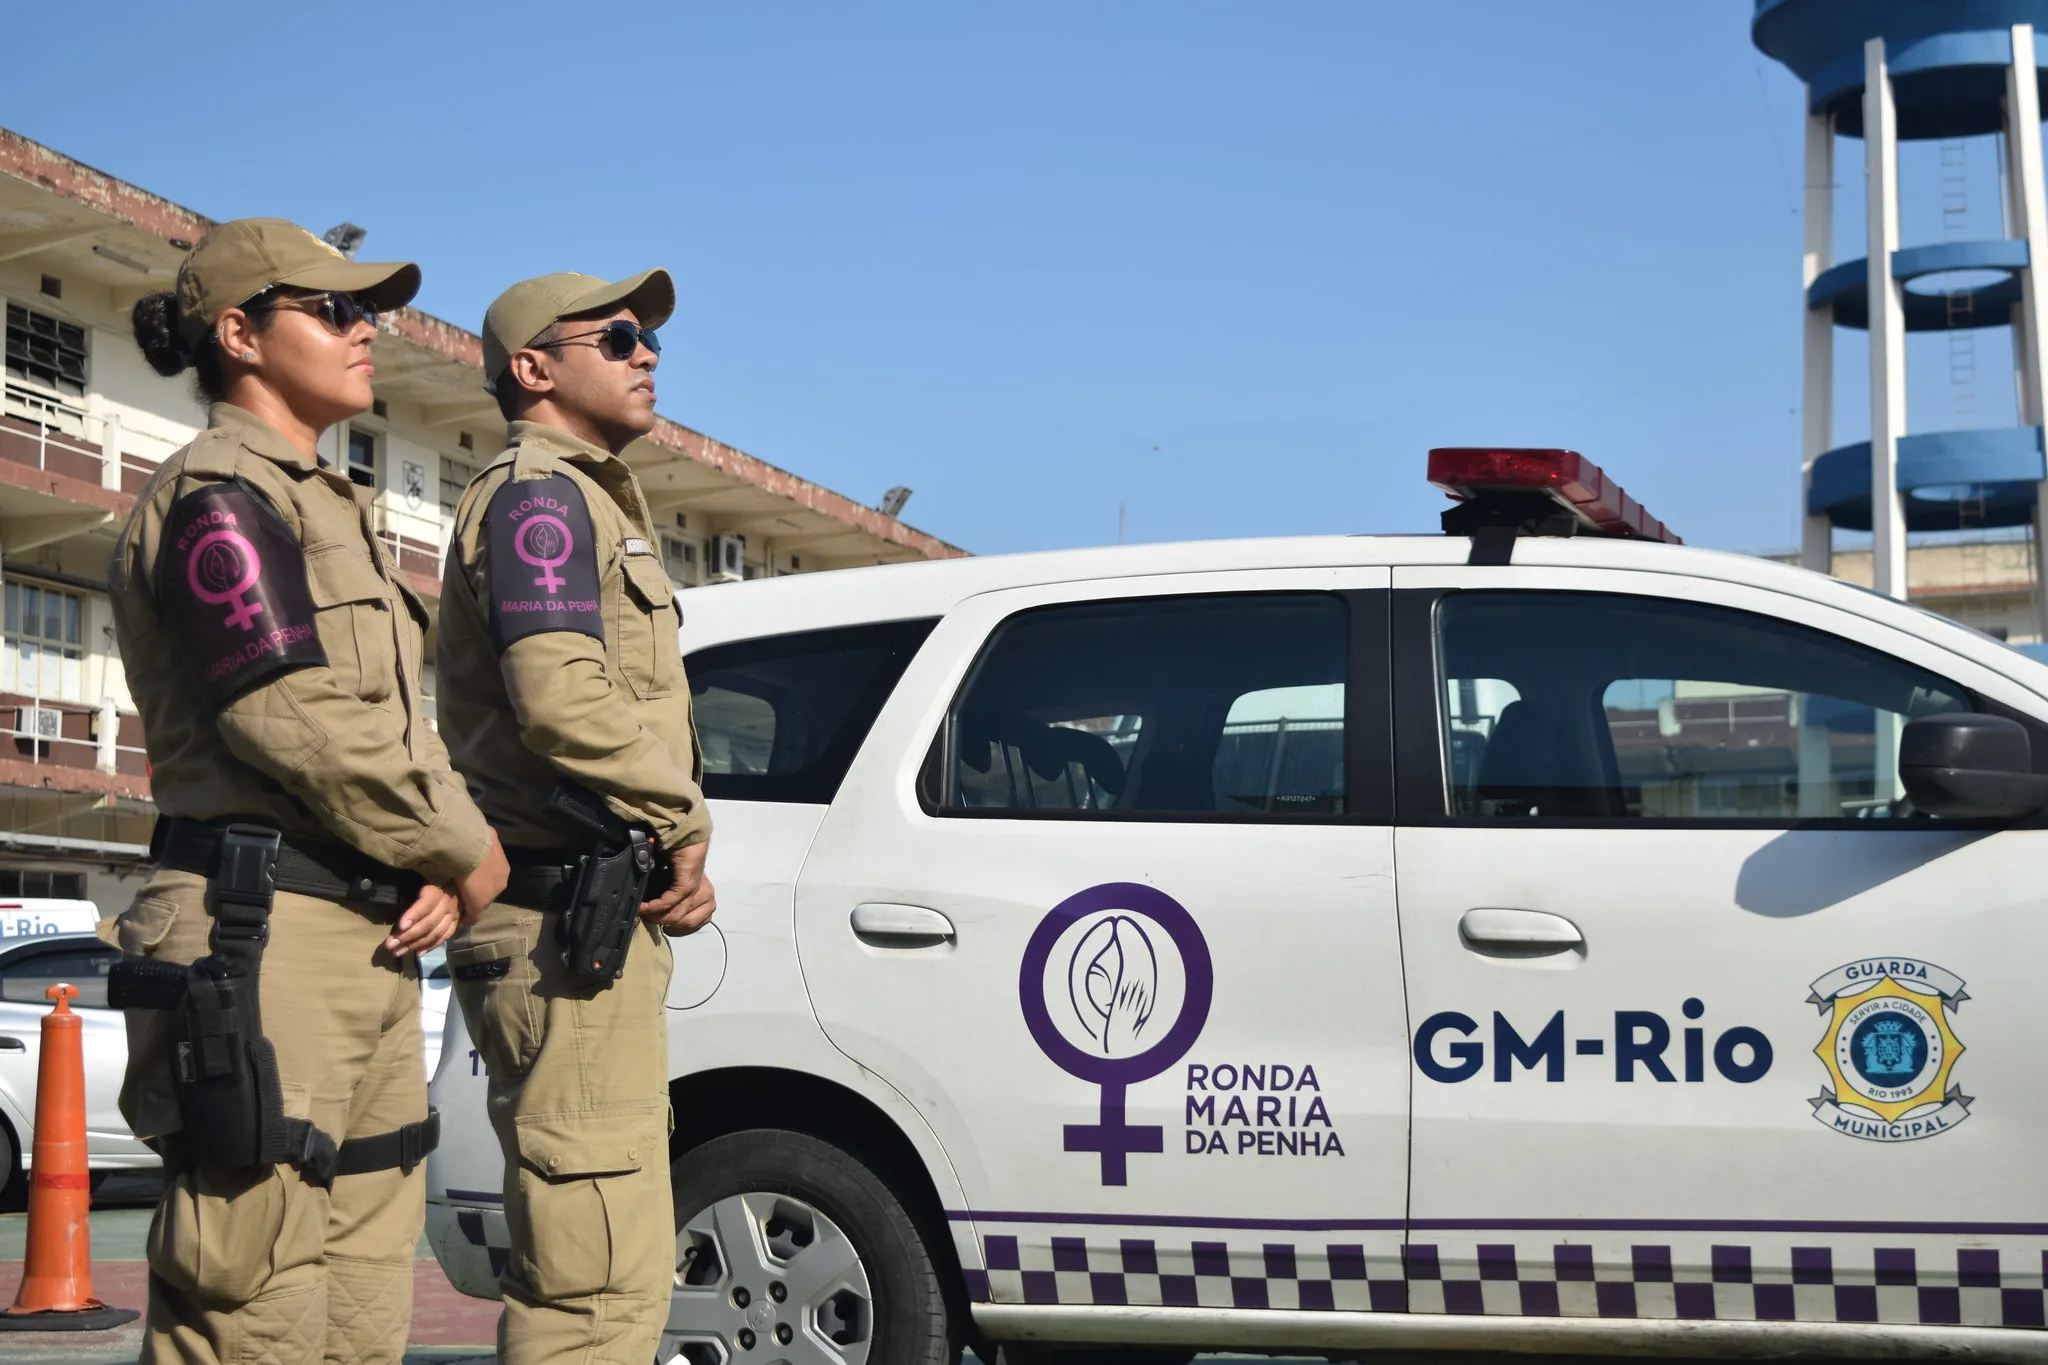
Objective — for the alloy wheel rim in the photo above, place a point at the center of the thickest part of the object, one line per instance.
(767, 1279)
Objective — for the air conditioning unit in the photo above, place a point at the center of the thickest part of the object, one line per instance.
(39, 722)
(728, 558)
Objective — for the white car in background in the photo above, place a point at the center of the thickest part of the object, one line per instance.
(32, 917)
(436, 999)
(1500, 941)
(28, 968)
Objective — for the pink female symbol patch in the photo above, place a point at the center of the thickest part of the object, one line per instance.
(220, 570)
(544, 541)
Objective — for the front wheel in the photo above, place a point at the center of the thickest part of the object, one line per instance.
(13, 1171)
(790, 1251)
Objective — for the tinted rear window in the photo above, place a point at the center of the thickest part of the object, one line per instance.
(782, 717)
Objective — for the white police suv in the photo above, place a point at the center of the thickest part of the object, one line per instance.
(1499, 941)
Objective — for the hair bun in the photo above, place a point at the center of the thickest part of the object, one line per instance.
(155, 320)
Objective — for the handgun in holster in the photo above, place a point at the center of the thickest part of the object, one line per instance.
(223, 1068)
(603, 909)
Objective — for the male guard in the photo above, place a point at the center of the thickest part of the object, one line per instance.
(565, 708)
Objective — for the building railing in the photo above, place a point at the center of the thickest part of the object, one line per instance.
(42, 431)
(39, 723)
(416, 541)
(52, 435)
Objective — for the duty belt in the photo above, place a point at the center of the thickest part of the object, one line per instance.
(310, 867)
(538, 877)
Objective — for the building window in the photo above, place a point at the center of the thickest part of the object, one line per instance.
(362, 456)
(63, 886)
(44, 654)
(680, 555)
(45, 351)
(455, 478)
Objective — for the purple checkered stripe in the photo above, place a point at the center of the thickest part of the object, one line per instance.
(1961, 1286)
(488, 1233)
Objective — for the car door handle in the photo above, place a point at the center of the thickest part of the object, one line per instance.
(901, 926)
(9, 1044)
(1519, 931)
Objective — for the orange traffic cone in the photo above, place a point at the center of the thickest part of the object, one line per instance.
(56, 1280)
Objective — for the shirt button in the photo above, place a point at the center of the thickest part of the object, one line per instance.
(633, 1154)
(554, 1163)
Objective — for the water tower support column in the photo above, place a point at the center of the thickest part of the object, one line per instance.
(1887, 326)
(1817, 403)
(2030, 214)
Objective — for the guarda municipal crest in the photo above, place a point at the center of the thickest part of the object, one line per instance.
(1889, 1050)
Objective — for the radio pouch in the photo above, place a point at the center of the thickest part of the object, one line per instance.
(603, 909)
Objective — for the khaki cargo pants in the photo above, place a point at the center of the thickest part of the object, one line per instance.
(256, 1265)
(578, 1095)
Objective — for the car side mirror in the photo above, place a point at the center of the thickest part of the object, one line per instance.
(1967, 765)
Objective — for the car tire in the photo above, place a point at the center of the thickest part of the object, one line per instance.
(751, 1207)
(13, 1179)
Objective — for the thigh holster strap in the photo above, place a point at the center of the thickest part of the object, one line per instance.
(400, 1149)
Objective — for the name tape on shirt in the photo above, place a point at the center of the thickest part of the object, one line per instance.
(231, 585)
(543, 560)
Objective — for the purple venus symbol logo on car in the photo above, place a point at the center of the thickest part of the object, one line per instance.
(544, 542)
(223, 566)
(1115, 986)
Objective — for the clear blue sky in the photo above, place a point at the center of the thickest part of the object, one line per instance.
(1236, 265)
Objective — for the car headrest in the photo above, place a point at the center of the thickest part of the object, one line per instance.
(1062, 745)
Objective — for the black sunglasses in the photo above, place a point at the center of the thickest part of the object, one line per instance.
(618, 340)
(339, 313)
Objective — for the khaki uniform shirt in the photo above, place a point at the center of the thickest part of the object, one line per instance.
(558, 652)
(275, 654)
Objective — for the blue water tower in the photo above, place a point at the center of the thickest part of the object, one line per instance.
(1886, 71)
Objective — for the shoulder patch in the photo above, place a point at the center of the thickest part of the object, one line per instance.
(231, 586)
(543, 560)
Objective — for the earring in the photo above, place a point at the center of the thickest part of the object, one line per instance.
(248, 355)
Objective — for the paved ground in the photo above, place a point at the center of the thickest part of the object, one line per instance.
(446, 1326)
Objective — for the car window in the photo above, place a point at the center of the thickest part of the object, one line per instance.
(27, 975)
(1214, 705)
(780, 718)
(1565, 705)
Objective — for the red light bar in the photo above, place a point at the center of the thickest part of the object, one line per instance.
(1568, 478)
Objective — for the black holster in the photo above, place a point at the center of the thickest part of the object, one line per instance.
(603, 906)
(223, 1068)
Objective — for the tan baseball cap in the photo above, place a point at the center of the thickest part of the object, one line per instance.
(239, 260)
(530, 307)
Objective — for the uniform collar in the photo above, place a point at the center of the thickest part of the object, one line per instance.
(574, 447)
(258, 435)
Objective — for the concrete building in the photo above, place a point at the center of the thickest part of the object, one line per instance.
(1886, 72)
(84, 421)
(1984, 581)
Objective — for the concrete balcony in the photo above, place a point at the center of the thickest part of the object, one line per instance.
(65, 748)
(54, 482)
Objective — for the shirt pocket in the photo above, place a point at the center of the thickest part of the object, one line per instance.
(353, 605)
(650, 655)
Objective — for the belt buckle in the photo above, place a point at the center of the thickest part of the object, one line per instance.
(416, 1140)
